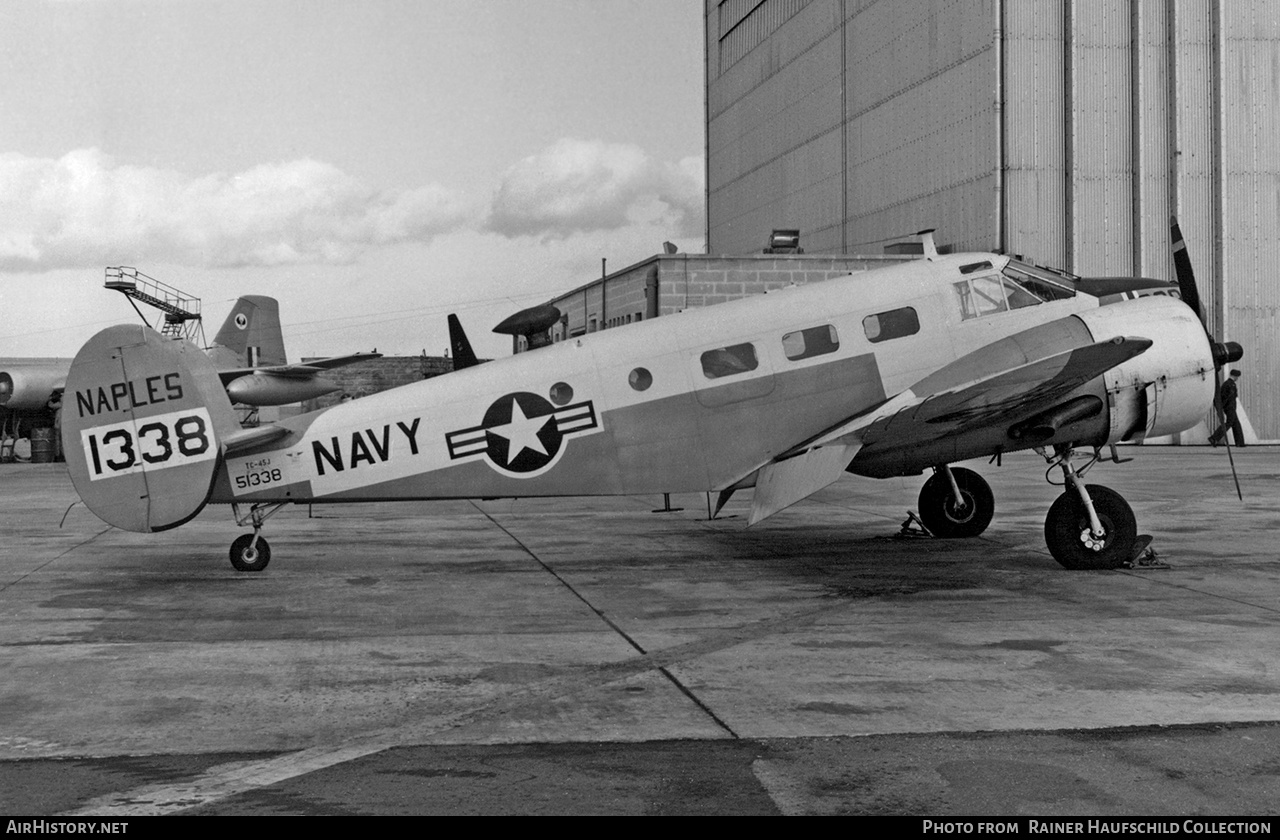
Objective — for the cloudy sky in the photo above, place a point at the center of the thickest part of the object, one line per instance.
(374, 164)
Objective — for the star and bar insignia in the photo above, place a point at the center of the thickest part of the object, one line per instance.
(522, 434)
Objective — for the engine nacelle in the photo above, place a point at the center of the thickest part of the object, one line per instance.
(1167, 389)
(265, 389)
(30, 387)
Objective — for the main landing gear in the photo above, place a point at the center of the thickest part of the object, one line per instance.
(250, 552)
(956, 502)
(1089, 526)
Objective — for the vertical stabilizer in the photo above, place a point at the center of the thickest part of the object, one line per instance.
(142, 420)
(463, 355)
(252, 334)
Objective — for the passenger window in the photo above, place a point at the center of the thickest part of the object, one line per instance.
(895, 323)
(729, 361)
(815, 341)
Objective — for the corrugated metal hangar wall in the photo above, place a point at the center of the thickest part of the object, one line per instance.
(1065, 130)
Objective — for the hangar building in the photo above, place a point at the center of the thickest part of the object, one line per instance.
(1068, 131)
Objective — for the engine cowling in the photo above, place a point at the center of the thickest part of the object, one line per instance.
(30, 387)
(1168, 388)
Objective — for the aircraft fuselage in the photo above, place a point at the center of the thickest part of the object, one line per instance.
(688, 402)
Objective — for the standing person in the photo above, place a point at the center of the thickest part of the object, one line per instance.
(1227, 397)
(55, 405)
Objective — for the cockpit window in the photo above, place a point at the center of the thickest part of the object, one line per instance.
(981, 296)
(1041, 282)
(1016, 287)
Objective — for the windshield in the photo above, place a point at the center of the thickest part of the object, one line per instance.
(1044, 283)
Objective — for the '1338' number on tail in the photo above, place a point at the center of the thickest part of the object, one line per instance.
(166, 440)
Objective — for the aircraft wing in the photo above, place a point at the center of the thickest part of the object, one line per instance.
(303, 370)
(1002, 398)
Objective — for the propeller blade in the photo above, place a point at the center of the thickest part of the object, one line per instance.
(1186, 274)
(1232, 459)
(1223, 353)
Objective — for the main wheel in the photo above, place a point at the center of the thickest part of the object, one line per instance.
(943, 517)
(1070, 539)
(246, 559)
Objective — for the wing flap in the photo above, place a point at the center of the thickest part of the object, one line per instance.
(780, 484)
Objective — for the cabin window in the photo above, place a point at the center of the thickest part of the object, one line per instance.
(729, 361)
(640, 379)
(815, 341)
(895, 323)
(561, 393)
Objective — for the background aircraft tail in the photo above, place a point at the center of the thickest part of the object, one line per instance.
(143, 419)
(251, 335)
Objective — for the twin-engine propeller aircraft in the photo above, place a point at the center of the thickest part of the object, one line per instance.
(885, 373)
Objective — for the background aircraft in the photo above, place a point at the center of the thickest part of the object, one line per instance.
(248, 352)
(886, 373)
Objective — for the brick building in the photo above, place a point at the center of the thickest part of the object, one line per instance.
(668, 283)
(374, 375)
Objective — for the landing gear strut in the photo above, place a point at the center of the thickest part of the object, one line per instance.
(1088, 526)
(956, 503)
(250, 552)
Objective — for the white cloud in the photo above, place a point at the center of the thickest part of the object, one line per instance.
(84, 210)
(577, 186)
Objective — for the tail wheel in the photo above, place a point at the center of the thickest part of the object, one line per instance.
(248, 557)
(944, 517)
(1071, 540)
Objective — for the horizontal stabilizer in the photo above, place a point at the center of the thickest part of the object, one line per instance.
(246, 439)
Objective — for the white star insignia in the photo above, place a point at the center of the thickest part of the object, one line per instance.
(522, 432)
